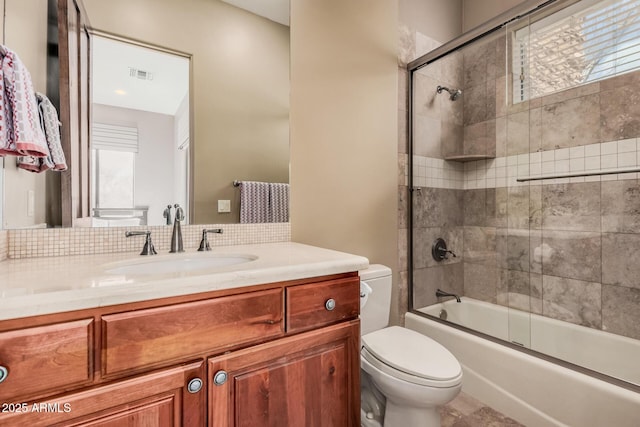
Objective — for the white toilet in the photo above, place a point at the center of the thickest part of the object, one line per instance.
(405, 375)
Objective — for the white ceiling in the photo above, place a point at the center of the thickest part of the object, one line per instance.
(275, 10)
(111, 62)
(113, 59)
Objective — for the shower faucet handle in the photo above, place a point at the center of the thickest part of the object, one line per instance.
(439, 250)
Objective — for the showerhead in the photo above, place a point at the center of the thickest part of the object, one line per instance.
(453, 93)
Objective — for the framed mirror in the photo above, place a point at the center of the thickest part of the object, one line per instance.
(240, 101)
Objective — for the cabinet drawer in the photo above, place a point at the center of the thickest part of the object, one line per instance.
(154, 337)
(45, 358)
(155, 399)
(309, 306)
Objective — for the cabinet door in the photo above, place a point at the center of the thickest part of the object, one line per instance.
(311, 379)
(158, 399)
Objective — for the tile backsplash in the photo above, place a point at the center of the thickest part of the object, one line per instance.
(87, 241)
(4, 246)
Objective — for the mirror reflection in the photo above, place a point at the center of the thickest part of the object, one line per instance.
(140, 133)
(239, 113)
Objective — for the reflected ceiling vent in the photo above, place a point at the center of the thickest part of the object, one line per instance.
(140, 74)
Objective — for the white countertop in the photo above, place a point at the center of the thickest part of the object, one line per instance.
(36, 286)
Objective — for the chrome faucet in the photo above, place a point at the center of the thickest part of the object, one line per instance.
(204, 243)
(176, 236)
(148, 248)
(440, 293)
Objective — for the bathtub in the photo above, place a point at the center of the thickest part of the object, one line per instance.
(532, 390)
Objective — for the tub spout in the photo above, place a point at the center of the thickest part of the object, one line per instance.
(441, 293)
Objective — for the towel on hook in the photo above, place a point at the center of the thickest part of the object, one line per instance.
(20, 131)
(51, 125)
(254, 202)
(278, 202)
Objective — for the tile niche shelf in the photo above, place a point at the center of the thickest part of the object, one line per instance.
(469, 157)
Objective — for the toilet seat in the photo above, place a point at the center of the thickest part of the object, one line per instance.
(412, 357)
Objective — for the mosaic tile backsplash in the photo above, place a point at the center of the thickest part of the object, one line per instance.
(4, 246)
(88, 241)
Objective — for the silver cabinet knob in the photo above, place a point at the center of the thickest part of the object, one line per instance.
(4, 373)
(195, 385)
(330, 304)
(220, 377)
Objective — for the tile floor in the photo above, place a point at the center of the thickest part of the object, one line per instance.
(465, 411)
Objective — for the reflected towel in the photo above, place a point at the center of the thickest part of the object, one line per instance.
(51, 125)
(20, 131)
(254, 202)
(279, 202)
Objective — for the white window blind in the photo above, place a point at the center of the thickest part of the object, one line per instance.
(114, 137)
(585, 42)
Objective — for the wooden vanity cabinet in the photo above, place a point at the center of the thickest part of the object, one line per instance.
(281, 354)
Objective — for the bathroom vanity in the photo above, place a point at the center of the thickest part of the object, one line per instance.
(244, 349)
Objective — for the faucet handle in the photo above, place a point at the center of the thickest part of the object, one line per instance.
(439, 250)
(179, 212)
(148, 248)
(204, 243)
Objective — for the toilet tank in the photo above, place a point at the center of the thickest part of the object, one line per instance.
(374, 314)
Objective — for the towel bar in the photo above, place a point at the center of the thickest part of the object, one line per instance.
(579, 174)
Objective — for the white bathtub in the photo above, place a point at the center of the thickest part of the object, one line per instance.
(527, 388)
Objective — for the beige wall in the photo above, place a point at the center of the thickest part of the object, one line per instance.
(25, 29)
(476, 12)
(241, 97)
(438, 19)
(344, 126)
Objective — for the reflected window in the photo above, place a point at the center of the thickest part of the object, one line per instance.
(113, 154)
(115, 178)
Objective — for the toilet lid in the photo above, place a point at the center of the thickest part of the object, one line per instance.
(413, 353)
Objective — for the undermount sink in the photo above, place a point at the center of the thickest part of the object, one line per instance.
(180, 264)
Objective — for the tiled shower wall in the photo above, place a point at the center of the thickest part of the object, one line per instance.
(566, 248)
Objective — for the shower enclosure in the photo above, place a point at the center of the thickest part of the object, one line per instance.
(524, 158)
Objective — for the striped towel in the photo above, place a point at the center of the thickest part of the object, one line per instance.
(20, 131)
(254, 202)
(51, 125)
(279, 202)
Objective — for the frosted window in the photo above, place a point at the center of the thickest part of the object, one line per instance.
(585, 42)
(115, 178)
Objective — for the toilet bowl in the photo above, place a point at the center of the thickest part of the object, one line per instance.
(405, 376)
